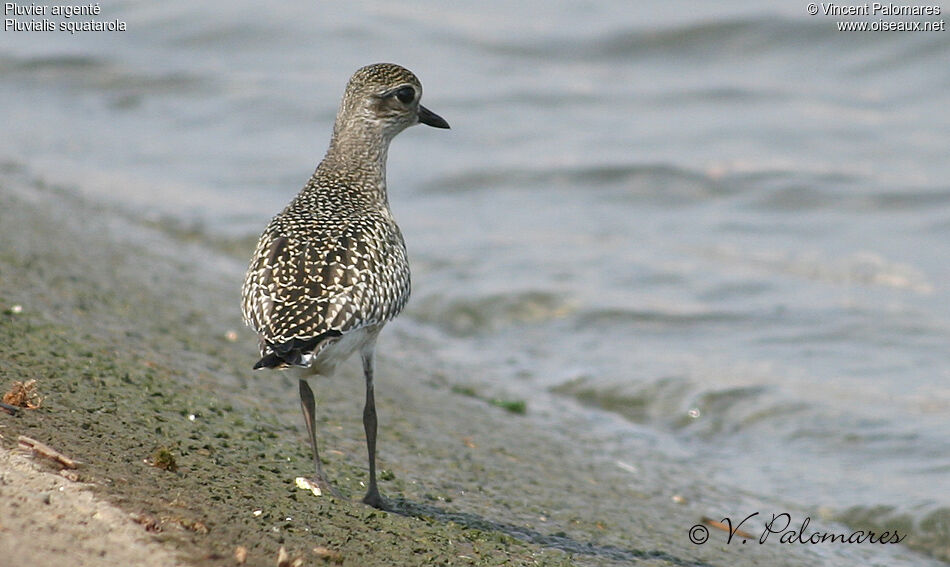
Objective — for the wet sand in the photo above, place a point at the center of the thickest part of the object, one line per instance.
(125, 329)
(131, 330)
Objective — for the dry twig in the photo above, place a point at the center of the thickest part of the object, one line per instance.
(42, 449)
(721, 526)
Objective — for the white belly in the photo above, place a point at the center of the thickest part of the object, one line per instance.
(326, 361)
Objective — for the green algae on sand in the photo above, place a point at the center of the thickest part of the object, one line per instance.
(125, 370)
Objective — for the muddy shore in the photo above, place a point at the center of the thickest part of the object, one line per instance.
(132, 332)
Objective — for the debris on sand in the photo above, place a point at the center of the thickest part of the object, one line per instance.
(163, 459)
(150, 524)
(328, 555)
(721, 526)
(304, 483)
(38, 448)
(23, 395)
(284, 560)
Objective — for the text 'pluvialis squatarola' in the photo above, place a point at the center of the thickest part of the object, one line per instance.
(330, 270)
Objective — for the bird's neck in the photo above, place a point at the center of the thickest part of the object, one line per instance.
(358, 156)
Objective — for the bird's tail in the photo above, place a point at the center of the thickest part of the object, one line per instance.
(295, 352)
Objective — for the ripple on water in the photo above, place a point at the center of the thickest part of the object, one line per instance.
(864, 268)
(927, 530)
(468, 316)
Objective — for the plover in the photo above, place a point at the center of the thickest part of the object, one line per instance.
(331, 269)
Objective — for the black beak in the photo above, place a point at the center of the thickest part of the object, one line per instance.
(430, 118)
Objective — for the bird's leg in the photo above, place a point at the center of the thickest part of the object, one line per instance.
(308, 405)
(369, 424)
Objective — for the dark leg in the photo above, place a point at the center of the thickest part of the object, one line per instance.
(369, 424)
(308, 405)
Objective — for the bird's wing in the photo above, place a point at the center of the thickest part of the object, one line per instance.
(302, 291)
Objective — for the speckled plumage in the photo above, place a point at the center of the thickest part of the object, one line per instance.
(333, 261)
(329, 264)
(331, 269)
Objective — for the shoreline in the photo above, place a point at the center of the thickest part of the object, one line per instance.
(130, 368)
(129, 330)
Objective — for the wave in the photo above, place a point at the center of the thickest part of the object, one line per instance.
(623, 43)
(661, 182)
(96, 73)
(777, 187)
(864, 268)
(763, 422)
(468, 316)
(680, 403)
(844, 189)
(486, 314)
(660, 318)
(750, 37)
(927, 530)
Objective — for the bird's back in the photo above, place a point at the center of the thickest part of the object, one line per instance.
(331, 263)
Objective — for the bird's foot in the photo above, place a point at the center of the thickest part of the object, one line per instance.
(373, 499)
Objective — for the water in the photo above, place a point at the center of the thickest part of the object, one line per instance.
(724, 223)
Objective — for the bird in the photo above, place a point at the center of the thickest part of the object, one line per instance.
(331, 269)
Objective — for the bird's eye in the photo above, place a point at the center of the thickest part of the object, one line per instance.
(406, 95)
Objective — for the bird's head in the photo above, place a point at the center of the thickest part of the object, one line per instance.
(384, 96)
